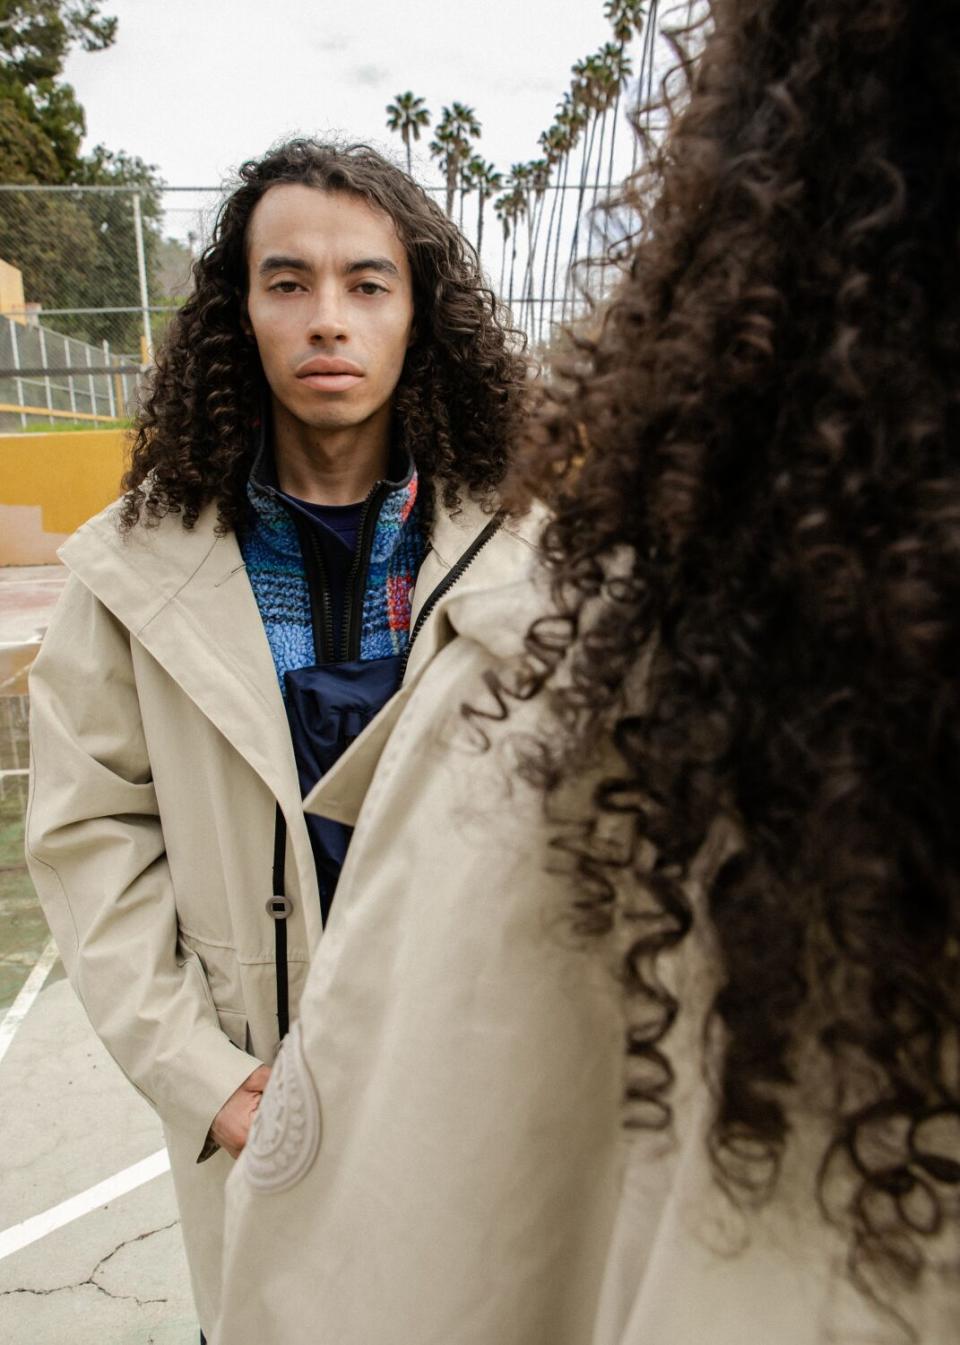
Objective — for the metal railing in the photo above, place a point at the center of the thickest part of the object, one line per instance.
(49, 378)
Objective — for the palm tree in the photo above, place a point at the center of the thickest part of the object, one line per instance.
(555, 144)
(486, 180)
(572, 120)
(501, 208)
(510, 207)
(538, 181)
(452, 144)
(587, 93)
(613, 70)
(407, 114)
(645, 89)
(467, 185)
(626, 18)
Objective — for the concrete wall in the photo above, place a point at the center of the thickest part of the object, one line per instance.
(11, 291)
(50, 484)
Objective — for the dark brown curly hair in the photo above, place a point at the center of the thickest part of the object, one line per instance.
(461, 394)
(764, 429)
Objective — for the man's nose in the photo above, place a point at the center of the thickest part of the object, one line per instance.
(327, 320)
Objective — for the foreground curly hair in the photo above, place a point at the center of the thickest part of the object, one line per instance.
(457, 406)
(767, 420)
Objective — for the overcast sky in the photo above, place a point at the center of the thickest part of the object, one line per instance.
(195, 86)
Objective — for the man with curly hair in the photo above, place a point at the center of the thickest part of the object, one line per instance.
(315, 468)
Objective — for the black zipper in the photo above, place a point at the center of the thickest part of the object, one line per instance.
(448, 581)
(352, 620)
(318, 588)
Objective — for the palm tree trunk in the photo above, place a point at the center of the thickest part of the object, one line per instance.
(596, 180)
(613, 141)
(406, 141)
(556, 246)
(646, 68)
(503, 264)
(480, 227)
(452, 165)
(587, 156)
(531, 261)
(546, 260)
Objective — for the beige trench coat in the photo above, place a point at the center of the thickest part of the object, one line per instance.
(160, 747)
(439, 1157)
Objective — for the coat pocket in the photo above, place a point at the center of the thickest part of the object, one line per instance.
(285, 1135)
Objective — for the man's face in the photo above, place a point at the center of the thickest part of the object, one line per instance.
(330, 304)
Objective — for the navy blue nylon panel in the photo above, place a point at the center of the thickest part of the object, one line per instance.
(328, 706)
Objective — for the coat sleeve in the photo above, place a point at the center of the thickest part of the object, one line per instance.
(95, 850)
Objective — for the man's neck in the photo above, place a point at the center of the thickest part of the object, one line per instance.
(338, 466)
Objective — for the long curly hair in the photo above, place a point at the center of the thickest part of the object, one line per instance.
(754, 463)
(461, 395)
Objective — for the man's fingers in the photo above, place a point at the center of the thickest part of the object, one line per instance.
(257, 1081)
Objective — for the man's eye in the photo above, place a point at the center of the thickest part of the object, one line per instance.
(371, 287)
(285, 286)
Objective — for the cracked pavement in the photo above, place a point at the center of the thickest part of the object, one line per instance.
(69, 1120)
(92, 1277)
(115, 1276)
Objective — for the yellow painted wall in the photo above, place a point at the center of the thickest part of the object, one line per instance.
(50, 484)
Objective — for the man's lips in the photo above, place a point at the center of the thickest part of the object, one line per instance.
(327, 364)
(328, 374)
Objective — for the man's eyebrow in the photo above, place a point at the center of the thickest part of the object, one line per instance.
(382, 264)
(278, 263)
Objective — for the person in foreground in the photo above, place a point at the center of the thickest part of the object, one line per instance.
(316, 463)
(723, 759)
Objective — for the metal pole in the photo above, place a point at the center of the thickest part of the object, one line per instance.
(16, 365)
(46, 377)
(106, 360)
(147, 352)
(71, 386)
(93, 386)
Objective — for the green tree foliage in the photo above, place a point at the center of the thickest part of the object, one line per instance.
(35, 38)
(76, 250)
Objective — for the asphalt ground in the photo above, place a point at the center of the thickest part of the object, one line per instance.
(90, 1250)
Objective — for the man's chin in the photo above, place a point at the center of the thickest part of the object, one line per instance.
(330, 417)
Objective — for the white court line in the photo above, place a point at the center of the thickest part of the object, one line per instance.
(29, 991)
(31, 1230)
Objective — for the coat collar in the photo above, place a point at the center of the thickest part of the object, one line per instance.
(183, 593)
(397, 496)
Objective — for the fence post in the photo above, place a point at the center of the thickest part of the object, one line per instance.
(93, 386)
(109, 381)
(16, 364)
(147, 351)
(46, 375)
(71, 386)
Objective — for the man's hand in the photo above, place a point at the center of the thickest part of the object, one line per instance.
(231, 1125)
